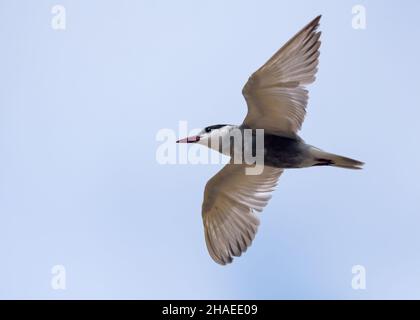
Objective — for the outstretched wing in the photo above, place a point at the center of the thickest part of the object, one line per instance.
(230, 200)
(275, 93)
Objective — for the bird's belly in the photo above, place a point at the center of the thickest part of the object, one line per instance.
(284, 152)
(283, 160)
(277, 151)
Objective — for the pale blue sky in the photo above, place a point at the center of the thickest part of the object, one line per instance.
(80, 186)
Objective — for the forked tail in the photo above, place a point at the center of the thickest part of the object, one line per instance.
(322, 158)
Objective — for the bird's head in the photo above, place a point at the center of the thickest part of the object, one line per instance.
(205, 136)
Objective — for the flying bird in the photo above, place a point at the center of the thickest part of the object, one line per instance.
(276, 98)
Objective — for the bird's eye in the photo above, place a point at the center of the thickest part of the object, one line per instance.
(208, 129)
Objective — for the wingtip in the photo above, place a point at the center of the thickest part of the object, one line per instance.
(317, 20)
(314, 24)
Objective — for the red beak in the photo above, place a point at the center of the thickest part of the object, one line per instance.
(192, 139)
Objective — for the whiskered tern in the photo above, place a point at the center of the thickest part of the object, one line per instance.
(276, 99)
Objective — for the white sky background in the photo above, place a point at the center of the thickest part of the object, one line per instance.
(80, 185)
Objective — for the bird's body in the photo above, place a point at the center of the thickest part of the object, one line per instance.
(286, 152)
(276, 97)
(279, 151)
